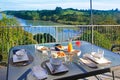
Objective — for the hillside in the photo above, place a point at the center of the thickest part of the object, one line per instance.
(70, 16)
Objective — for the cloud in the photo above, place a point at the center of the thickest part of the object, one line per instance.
(31, 6)
(105, 5)
(52, 4)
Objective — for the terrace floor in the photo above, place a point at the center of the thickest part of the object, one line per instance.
(3, 72)
(107, 76)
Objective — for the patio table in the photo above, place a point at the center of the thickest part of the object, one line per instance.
(75, 70)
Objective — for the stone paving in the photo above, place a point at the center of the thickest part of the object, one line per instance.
(3, 72)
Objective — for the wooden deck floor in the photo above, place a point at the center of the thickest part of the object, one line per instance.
(106, 76)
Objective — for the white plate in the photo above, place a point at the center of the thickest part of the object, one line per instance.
(40, 48)
(65, 48)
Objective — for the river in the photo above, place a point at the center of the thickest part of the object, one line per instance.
(37, 26)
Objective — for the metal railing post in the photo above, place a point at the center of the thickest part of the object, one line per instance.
(56, 33)
(91, 19)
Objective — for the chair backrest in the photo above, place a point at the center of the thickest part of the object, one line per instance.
(116, 46)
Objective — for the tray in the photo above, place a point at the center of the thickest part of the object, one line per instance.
(60, 69)
(24, 58)
(102, 60)
(88, 62)
(22, 63)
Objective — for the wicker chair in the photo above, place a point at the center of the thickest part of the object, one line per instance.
(116, 48)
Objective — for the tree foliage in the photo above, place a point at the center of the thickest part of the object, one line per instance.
(70, 16)
(99, 39)
(11, 35)
(5, 21)
(44, 38)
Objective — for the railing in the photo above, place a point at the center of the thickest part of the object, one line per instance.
(101, 35)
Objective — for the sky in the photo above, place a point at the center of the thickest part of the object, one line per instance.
(52, 4)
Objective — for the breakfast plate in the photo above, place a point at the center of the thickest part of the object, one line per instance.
(59, 47)
(42, 48)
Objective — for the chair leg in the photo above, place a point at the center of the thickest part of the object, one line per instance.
(113, 75)
(98, 78)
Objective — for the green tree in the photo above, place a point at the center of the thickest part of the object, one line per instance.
(5, 21)
(11, 35)
(58, 10)
(44, 38)
(99, 39)
(71, 16)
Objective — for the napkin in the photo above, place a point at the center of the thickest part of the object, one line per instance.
(39, 72)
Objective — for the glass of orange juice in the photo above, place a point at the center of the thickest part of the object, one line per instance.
(70, 48)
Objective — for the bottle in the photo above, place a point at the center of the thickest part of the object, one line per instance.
(70, 47)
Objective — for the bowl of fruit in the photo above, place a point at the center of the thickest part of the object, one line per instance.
(57, 57)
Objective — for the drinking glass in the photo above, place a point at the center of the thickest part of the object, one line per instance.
(70, 48)
(69, 58)
(101, 53)
(45, 54)
(78, 43)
